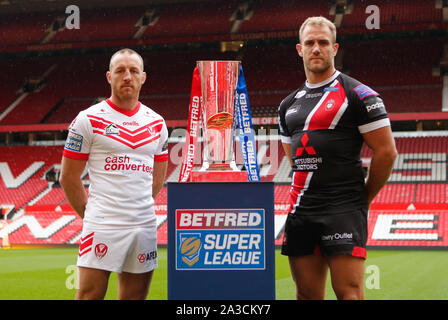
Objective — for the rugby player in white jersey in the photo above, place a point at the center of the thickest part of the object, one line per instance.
(124, 144)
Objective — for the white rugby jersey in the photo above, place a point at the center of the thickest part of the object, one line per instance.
(120, 148)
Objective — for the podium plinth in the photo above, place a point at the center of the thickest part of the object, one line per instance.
(221, 241)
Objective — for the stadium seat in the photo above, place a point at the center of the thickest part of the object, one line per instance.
(51, 82)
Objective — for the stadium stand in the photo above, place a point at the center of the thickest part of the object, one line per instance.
(23, 171)
(407, 86)
(40, 226)
(415, 15)
(59, 72)
(171, 21)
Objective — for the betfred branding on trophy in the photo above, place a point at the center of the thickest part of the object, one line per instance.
(219, 101)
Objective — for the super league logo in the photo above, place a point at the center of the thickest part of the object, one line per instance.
(190, 248)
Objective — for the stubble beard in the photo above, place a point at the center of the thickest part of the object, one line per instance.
(319, 69)
(127, 95)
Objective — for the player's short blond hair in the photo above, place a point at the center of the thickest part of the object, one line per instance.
(126, 51)
(318, 21)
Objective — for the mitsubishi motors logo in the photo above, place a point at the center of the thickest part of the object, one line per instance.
(306, 158)
(308, 149)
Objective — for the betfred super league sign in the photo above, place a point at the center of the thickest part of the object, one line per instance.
(220, 239)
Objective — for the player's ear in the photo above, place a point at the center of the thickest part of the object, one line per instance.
(299, 49)
(108, 76)
(143, 77)
(335, 49)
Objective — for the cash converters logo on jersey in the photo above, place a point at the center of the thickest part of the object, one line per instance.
(125, 164)
(220, 239)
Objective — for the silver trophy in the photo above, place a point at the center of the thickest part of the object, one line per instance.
(218, 83)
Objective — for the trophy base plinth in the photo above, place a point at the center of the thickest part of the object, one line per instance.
(219, 176)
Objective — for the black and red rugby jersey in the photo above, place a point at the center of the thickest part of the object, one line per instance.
(324, 124)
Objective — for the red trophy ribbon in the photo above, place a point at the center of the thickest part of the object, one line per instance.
(191, 139)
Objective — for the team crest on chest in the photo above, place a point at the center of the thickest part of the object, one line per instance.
(151, 131)
(330, 105)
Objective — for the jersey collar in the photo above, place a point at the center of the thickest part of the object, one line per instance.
(128, 113)
(320, 84)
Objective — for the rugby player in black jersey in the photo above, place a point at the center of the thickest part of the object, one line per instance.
(323, 125)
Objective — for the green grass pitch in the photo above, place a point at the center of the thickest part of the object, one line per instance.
(49, 274)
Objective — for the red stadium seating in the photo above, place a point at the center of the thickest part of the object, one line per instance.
(408, 227)
(396, 193)
(431, 193)
(24, 29)
(395, 13)
(68, 110)
(27, 185)
(407, 84)
(104, 25)
(287, 15)
(55, 196)
(44, 225)
(402, 196)
(203, 20)
(69, 76)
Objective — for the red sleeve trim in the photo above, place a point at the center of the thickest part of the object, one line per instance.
(161, 157)
(75, 155)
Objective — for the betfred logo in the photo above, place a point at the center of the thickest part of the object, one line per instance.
(216, 219)
(224, 239)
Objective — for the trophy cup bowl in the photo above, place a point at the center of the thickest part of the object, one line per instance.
(218, 84)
